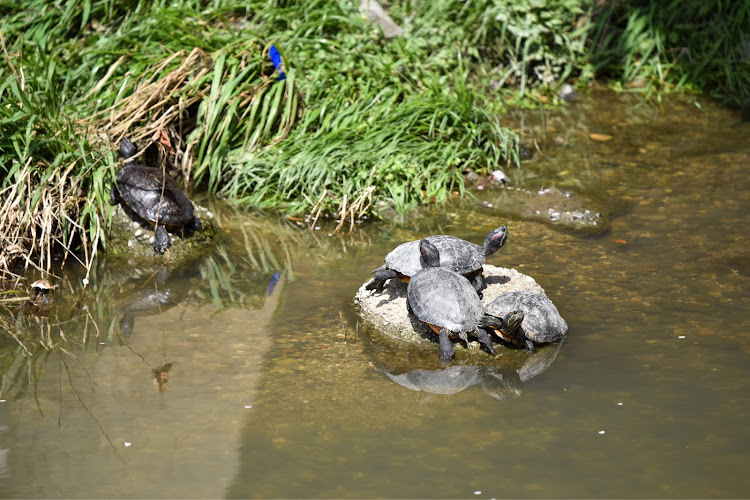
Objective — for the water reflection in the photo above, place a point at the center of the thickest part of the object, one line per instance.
(289, 396)
(498, 380)
(156, 294)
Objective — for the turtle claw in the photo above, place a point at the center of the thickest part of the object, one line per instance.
(479, 284)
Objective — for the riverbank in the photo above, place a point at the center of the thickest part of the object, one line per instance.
(358, 122)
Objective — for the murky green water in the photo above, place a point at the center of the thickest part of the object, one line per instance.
(281, 393)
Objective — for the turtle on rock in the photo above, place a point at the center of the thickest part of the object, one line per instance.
(448, 303)
(457, 255)
(152, 196)
(542, 321)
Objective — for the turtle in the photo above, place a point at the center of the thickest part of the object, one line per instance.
(41, 303)
(458, 255)
(542, 321)
(448, 303)
(152, 196)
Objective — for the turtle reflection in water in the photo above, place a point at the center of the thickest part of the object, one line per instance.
(453, 379)
(499, 382)
(152, 298)
(458, 255)
(448, 303)
(152, 196)
(542, 322)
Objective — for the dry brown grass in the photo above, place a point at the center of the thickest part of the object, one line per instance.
(33, 218)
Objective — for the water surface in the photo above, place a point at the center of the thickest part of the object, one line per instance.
(281, 392)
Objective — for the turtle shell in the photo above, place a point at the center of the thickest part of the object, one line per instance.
(445, 299)
(542, 321)
(458, 255)
(153, 196)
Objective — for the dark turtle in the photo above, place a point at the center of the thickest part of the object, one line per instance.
(448, 303)
(152, 196)
(542, 322)
(458, 255)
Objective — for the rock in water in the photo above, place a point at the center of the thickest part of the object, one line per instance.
(386, 312)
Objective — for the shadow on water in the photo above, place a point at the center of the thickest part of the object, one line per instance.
(213, 380)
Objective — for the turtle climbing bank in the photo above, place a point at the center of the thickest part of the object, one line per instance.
(152, 196)
(149, 205)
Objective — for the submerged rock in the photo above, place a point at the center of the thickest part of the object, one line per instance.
(386, 311)
(558, 208)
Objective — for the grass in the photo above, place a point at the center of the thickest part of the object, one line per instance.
(682, 45)
(358, 123)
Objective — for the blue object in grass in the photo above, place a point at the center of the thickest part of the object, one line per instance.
(272, 282)
(277, 62)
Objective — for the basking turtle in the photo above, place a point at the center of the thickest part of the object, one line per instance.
(542, 322)
(448, 303)
(456, 254)
(152, 196)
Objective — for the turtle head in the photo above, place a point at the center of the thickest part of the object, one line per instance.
(495, 240)
(429, 253)
(127, 149)
(512, 321)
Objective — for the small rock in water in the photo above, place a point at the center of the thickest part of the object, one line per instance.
(499, 176)
(568, 93)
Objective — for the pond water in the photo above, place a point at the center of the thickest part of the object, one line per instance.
(248, 383)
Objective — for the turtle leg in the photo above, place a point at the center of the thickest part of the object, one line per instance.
(484, 338)
(446, 346)
(479, 283)
(378, 282)
(530, 346)
(464, 336)
(161, 239)
(195, 224)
